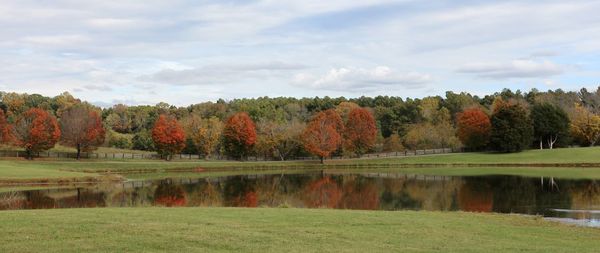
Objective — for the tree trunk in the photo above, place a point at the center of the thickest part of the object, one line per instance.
(322, 160)
(551, 141)
(541, 147)
(78, 151)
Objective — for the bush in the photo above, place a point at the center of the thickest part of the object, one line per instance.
(143, 141)
(118, 140)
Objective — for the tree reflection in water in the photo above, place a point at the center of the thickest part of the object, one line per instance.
(385, 191)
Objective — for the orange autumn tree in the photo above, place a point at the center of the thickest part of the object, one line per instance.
(36, 130)
(168, 136)
(6, 134)
(473, 128)
(322, 135)
(81, 128)
(360, 132)
(239, 135)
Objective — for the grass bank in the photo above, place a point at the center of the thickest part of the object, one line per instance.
(575, 162)
(588, 155)
(276, 230)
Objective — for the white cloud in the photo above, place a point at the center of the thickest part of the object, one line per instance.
(212, 49)
(56, 40)
(514, 69)
(113, 23)
(97, 87)
(221, 73)
(361, 78)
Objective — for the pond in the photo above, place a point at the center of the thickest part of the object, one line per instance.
(574, 201)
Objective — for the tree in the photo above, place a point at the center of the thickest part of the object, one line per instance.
(279, 139)
(207, 135)
(393, 144)
(360, 132)
(473, 128)
(36, 130)
(512, 130)
(168, 136)
(585, 126)
(239, 135)
(119, 120)
(6, 134)
(81, 128)
(322, 135)
(344, 109)
(143, 141)
(550, 123)
(289, 138)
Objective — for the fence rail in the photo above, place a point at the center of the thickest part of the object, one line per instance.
(124, 156)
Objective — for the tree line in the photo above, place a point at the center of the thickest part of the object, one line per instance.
(284, 128)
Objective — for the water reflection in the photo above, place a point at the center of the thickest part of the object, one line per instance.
(370, 191)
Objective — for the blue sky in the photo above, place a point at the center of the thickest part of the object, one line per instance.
(183, 52)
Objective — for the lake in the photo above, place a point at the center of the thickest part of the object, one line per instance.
(566, 200)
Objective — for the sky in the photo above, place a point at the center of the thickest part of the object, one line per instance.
(186, 52)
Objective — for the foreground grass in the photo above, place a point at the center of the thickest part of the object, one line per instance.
(276, 230)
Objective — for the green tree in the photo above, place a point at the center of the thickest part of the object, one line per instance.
(512, 130)
(550, 124)
(143, 141)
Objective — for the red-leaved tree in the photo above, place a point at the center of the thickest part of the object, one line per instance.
(361, 132)
(239, 135)
(322, 135)
(36, 130)
(168, 136)
(473, 128)
(81, 128)
(6, 134)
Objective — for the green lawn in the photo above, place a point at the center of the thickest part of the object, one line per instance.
(101, 150)
(556, 172)
(70, 169)
(283, 230)
(563, 155)
(24, 170)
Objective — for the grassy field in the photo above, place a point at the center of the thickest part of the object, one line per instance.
(276, 230)
(563, 155)
(556, 172)
(66, 169)
(24, 170)
(101, 150)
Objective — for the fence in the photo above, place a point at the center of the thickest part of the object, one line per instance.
(123, 156)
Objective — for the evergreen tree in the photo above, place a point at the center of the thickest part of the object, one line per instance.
(512, 130)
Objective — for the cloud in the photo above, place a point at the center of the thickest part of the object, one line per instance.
(221, 73)
(56, 40)
(95, 87)
(513, 69)
(361, 78)
(189, 51)
(113, 23)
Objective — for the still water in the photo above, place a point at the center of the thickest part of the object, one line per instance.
(575, 201)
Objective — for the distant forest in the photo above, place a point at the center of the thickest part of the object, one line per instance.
(401, 123)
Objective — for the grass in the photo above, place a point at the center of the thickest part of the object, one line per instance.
(100, 150)
(20, 170)
(556, 172)
(546, 156)
(289, 230)
(473, 164)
